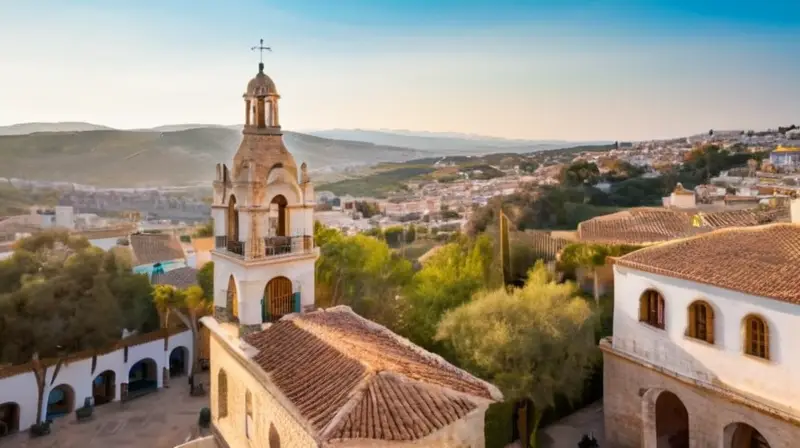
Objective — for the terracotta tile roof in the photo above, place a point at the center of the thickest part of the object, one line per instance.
(181, 278)
(353, 379)
(761, 261)
(544, 245)
(153, 248)
(648, 225)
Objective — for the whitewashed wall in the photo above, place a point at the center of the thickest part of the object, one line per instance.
(21, 389)
(723, 363)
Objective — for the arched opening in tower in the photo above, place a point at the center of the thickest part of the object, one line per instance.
(281, 220)
(279, 300)
(232, 222)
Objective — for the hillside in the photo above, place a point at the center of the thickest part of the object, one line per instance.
(444, 143)
(30, 128)
(119, 158)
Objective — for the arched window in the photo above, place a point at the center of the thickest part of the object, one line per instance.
(756, 337)
(279, 219)
(248, 414)
(701, 321)
(232, 222)
(222, 394)
(651, 308)
(233, 298)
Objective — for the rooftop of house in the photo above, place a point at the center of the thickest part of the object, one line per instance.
(180, 278)
(761, 261)
(650, 225)
(350, 378)
(149, 248)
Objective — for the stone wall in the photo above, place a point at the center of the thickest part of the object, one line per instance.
(630, 390)
(272, 425)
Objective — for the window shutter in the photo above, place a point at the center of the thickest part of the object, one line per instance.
(692, 330)
(643, 308)
(709, 324)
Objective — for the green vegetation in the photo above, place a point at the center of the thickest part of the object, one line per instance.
(378, 184)
(535, 343)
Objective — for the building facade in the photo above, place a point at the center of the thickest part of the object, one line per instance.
(702, 352)
(785, 157)
(263, 213)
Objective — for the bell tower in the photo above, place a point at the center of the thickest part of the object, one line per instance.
(263, 212)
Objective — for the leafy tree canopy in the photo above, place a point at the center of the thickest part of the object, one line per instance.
(535, 342)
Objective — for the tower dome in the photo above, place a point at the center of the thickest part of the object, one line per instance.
(261, 85)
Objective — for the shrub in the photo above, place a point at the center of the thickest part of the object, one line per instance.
(204, 421)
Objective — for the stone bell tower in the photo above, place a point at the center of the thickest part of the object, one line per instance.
(263, 213)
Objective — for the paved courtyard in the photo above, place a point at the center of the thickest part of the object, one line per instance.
(567, 432)
(162, 419)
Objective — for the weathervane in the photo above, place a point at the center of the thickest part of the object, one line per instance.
(260, 47)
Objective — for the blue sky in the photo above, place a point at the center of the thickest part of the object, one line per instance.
(568, 69)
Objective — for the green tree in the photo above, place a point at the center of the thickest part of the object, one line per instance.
(592, 257)
(535, 343)
(579, 173)
(362, 272)
(205, 279)
(448, 279)
(166, 299)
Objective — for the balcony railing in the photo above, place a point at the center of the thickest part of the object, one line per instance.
(283, 245)
(274, 246)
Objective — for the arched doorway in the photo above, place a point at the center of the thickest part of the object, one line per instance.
(279, 221)
(672, 421)
(742, 435)
(104, 387)
(143, 377)
(278, 300)
(60, 401)
(232, 303)
(9, 418)
(178, 361)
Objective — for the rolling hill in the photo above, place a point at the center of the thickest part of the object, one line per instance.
(66, 126)
(445, 143)
(137, 158)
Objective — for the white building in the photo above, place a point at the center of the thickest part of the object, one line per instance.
(704, 345)
(263, 215)
(65, 217)
(141, 364)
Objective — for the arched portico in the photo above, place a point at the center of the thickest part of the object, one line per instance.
(104, 387)
(60, 401)
(665, 420)
(9, 418)
(143, 377)
(179, 362)
(279, 299)
(742, 435)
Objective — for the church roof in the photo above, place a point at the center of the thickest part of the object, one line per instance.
(350, 378)
(649, 225)
(150, 248)
(761, 261)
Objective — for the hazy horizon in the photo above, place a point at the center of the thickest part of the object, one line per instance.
(575, 70)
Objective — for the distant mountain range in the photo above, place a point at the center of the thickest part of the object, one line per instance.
(185, 154)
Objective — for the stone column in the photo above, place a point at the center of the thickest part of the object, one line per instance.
(247, 112)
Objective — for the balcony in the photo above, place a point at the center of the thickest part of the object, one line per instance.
(284, 245)
(275, 246)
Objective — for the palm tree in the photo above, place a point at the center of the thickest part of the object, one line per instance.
(197, 305)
